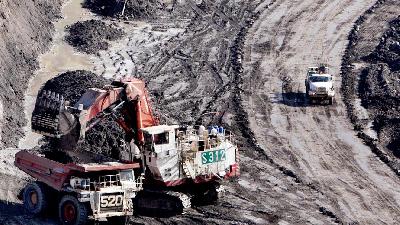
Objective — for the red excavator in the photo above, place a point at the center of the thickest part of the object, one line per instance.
(181, 164)
(53, 117)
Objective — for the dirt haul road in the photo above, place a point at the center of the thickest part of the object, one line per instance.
(315, 141)
(263, 194)
(195, 76)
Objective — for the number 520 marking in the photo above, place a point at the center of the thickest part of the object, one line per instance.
(111, 201)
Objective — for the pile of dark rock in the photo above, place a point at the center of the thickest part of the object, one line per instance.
(388, 50)
(379, 87)
(103, 142)
(138, 9)
(91, 36)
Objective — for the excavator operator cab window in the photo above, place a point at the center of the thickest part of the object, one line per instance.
(161, 139)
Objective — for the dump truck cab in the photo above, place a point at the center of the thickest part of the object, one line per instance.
(80, 191)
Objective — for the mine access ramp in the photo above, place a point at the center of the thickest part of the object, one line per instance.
(81, 191)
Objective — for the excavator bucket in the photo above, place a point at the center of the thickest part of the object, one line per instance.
(51, 117)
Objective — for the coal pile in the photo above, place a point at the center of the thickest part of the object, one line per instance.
(104, 140)
(133, 8)
(92, 36)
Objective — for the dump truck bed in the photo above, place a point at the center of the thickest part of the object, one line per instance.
(55, 174)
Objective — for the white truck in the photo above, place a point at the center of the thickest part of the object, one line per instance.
(319, 85)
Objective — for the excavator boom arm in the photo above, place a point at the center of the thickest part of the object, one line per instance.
(128, 98)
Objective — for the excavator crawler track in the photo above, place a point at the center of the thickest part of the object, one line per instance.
(162, 203)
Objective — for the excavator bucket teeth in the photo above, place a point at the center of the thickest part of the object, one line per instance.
(50, 116)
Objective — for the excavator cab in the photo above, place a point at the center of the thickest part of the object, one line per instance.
(160, 138)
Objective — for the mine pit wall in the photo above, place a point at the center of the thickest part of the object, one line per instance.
(25, 32)
(363, 40)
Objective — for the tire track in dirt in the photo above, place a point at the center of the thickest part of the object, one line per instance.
(320, 145)
(267, 192)
(364, 39)
(276, 171)
(256, 198)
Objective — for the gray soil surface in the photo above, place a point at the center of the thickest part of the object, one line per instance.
(371, 80)
(226, 62)
(316, 142)
(200, 71)
(25, 32)
(91, 36)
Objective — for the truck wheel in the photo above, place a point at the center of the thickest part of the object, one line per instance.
(118, 220)
(35, 199)
(71, 211)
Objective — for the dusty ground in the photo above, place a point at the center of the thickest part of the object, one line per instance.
(371, 81)
(60, 58)
(25, 32)
(316, 142)
(30, 17)
(300, 164)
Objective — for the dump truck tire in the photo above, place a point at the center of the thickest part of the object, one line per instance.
(35, 198)
(71, 211)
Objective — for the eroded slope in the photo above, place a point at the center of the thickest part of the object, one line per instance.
(25, 31)
(316, 142)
